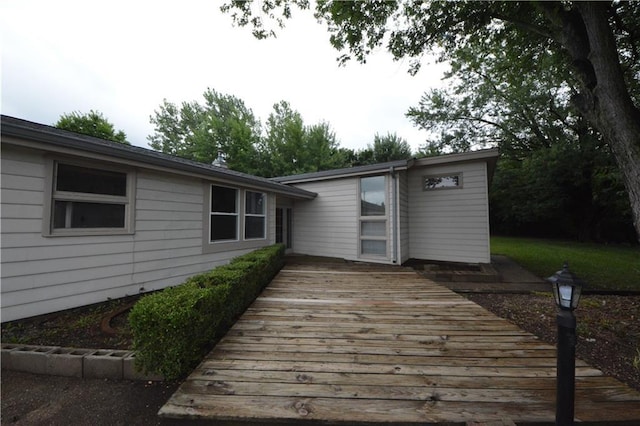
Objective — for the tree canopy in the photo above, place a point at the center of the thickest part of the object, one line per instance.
(93, 124)
(283, 145)
(389, 147)
(199, 131)
(596, 42)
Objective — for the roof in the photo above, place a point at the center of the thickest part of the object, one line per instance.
(368, 169)
(488, 155)
(51, 136)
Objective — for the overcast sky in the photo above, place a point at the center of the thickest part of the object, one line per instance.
(123, 58)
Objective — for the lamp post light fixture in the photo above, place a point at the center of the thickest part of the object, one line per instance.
(567, 289)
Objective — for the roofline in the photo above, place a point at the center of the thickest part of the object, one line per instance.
(482, 154)
(488, 155)
(367, 169)
(19, 128)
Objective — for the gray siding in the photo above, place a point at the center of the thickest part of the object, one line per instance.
(327, 225)
(404, 232)
(46, 274)
(450, 224)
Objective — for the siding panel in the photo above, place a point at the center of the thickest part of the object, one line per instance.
(46, 274)
(327, 225)
(450, 224)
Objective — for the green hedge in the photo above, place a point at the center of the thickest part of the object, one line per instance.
(173, 329)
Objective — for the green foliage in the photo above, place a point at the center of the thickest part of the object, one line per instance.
(198, 131)
(173, 329)
(600, 266)
(93, 124)
(390, 147)
(290, 147)
(223, 123)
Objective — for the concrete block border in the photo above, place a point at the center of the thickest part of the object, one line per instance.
(72, 362)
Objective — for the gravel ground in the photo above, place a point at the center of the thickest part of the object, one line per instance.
(608, 327)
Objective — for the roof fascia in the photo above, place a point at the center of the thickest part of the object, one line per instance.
(480, 155)
(344, 173)
(46, 138)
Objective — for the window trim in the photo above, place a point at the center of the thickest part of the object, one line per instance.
(209, 247)
(263, 215)
(378, 218)
(236, 214)
(442, 175)
(51, 195)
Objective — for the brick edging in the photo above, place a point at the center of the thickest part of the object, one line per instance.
(72, 362)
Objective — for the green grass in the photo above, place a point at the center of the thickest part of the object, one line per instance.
(601, 266)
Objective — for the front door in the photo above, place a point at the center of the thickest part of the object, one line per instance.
(284, 226)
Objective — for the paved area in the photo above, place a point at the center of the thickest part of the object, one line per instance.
(364, 345)
(513, 278)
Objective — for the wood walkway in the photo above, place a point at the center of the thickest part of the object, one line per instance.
(340, 344)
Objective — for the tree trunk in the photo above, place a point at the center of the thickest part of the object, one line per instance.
(605, 100)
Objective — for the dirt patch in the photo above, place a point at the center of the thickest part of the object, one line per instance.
(79, 328)
(608, 327)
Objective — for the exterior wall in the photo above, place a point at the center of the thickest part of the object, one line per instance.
(46, 274)
(327, 225)
(450, 224)
(404, 231)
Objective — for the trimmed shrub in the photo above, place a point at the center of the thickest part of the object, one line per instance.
(173, 329)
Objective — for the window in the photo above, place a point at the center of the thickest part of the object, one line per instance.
(90, 200)
(373, 216)
(224, 214)
(254, 217)
(442, 182)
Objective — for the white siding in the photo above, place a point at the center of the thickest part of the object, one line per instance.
(450, 224)
(327, 225)
(41, 275)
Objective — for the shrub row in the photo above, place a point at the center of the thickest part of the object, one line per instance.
(173, 329)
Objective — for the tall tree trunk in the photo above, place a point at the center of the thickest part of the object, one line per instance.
(605, 100)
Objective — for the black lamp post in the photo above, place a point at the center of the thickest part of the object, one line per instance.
(567, 289)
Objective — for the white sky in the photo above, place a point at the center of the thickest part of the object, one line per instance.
(123, 58)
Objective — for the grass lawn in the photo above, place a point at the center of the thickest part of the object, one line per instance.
(601, 266)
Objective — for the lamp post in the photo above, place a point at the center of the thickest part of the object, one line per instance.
(567, 289)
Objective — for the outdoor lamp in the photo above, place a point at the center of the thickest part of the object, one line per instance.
(567, 289)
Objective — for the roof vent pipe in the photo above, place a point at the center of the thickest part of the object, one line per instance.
(220, 161)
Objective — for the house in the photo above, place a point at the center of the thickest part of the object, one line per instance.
(434, 208)
(84, 219)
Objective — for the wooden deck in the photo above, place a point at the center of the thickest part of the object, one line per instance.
(339, 344)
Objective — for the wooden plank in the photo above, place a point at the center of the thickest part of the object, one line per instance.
(583, 384)
(363, 348)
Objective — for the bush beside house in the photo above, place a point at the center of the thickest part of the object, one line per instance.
(173, 329)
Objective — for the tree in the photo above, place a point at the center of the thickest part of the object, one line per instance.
(550, 179)
(290, 147)
(199, 131)
(93, 124)
(597, 41)
(390, 147)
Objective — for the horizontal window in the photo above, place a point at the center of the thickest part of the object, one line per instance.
(369, 228)
(442, 182)
(373, 247)
(90, 200)
(72, 214)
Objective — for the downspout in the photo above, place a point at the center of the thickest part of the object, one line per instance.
(394, 209)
